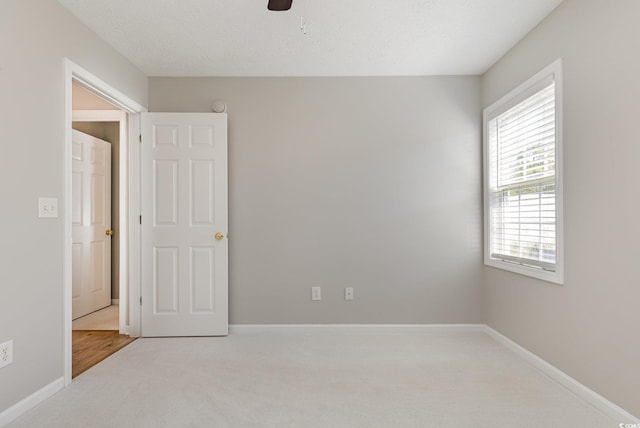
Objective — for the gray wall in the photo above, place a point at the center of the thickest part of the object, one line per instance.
(589, 328)
(372, 183)
(35, 35)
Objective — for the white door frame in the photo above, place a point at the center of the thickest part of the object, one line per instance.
(73, 72)
(119, 116)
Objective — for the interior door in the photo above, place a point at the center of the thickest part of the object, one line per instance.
(184, 224)
(91, 231)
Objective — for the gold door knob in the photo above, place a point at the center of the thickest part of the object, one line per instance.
(108, 232)
(219, 236)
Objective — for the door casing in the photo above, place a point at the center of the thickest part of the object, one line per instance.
(73, 72)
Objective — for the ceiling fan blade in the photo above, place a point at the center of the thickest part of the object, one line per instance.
(279, 5)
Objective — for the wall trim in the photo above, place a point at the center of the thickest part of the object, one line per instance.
(23, 406)
(593, 398)
(345, 328)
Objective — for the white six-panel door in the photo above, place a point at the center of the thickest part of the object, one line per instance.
(184, 206)
(91, 212)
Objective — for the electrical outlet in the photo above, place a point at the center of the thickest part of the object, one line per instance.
(348, 293)
(47, 207)
(6, 353)
(316, 293)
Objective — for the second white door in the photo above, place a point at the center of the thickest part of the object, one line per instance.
(91, 231)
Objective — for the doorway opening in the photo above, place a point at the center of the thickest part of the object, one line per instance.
(98, 241)
(108, 120)
(99, 142)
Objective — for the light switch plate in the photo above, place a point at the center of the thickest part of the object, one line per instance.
(47, 207)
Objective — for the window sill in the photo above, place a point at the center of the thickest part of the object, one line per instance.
(554, 277)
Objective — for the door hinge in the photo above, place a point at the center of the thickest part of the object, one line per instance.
(140, 300)
(140, 219)
(140, 137)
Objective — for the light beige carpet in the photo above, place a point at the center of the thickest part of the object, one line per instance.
(319, 379)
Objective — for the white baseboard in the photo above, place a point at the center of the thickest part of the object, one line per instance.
(593, 398)
(21, 407)
(346, 328)
(115, 302)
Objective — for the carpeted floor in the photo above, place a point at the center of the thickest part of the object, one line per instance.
(324, 378)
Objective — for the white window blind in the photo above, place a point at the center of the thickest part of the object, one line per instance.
(522, 182)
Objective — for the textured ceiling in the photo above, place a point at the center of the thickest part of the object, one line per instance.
(343, 37)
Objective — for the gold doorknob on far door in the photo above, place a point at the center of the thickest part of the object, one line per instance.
(219, 236)
(108, 232)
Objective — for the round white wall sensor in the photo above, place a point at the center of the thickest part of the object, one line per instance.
(219, 106)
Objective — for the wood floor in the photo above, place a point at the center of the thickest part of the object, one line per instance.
(92, 346)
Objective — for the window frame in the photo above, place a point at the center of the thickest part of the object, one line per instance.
(533, 85)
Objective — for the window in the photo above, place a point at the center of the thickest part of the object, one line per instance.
(523, 171)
